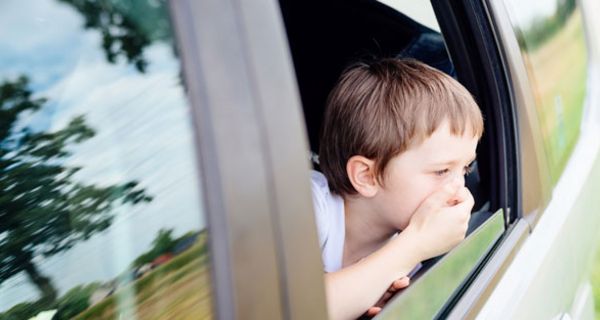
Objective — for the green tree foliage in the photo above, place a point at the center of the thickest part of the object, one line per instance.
(68, 306)
(75, 301)
(163, 243)
(127, 27)
(25, 310)
(43, 209)
(543, 28)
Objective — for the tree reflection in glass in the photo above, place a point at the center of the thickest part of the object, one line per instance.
(100, 214)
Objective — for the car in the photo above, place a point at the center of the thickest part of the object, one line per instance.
(129, 127)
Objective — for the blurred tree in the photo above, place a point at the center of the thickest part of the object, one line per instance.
(127, 27)
(44, 211)
(163, 243)
(542, 28)
(75, 301)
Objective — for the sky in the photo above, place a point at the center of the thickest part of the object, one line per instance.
(143, 133)
(421, 11)
(522, 12)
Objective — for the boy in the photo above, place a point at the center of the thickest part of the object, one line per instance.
(398, 137)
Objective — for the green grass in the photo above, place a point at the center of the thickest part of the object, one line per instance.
(178, 289)
(596, 283)
(558, 72)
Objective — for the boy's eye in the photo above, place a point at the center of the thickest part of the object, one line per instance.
(441, 172)
(468, 169)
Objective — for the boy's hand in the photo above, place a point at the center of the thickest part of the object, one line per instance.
(394, 287)
(441, 221)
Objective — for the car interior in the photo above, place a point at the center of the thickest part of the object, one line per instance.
(326, 36)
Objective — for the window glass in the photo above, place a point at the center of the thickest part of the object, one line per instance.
(551, 37)
(100, 212)
(420, 11)
(426, 297)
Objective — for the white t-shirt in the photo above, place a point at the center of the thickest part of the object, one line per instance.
(329, 214)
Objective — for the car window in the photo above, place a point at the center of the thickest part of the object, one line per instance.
(101, 216)
(551, 37)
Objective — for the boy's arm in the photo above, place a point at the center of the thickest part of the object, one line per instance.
(435, 228)
(352, 290)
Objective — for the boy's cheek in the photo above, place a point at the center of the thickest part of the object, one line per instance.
(405, 221)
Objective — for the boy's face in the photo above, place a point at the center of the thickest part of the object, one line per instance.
(414, 174)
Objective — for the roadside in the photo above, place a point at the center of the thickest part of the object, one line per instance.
(596, 283)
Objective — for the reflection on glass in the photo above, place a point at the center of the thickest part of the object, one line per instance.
(100, 216)
(551, 38)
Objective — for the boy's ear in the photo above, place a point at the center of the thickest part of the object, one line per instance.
(361, 172)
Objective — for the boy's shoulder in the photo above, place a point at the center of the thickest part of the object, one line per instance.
(317, 179)
(320, 192)
(329, 216)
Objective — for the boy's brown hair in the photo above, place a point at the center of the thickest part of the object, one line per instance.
(380, 109)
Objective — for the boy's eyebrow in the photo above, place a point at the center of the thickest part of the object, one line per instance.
(451, 162)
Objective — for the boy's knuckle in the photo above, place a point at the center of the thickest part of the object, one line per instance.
(428, 206)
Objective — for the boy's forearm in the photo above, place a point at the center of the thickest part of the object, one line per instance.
(352, 290)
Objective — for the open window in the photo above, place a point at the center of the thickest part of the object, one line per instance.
(456, 38)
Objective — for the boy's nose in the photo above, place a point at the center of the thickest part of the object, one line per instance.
(461, 178)
(458, 179)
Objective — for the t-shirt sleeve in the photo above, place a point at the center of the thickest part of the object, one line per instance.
(318, 183)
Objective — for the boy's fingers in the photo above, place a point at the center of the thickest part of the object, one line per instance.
(373, 311)
(395, 286)
(399, 284)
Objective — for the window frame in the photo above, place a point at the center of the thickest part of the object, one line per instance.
(535, 181)
(252, 157)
